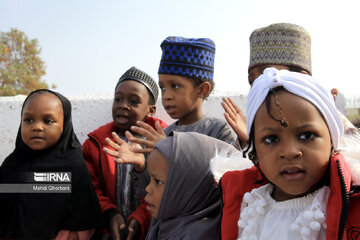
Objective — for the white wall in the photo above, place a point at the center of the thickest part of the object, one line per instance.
(89, 113)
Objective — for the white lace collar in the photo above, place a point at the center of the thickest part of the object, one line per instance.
(308, 220)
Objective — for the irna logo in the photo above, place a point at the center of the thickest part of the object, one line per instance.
(52, 177)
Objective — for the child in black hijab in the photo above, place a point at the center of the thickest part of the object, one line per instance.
(46, 143)
(182, 196)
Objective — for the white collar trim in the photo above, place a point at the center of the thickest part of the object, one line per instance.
(307, 224)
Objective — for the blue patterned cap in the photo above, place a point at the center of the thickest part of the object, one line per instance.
(190, 57)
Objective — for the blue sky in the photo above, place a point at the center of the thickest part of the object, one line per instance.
(88, 44)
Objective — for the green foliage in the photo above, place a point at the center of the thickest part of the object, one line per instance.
(21, 68)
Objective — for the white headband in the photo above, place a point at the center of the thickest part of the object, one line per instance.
(301, 85)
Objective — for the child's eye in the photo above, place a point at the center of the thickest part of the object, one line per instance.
(174, 85)
(158, 182)
(134, 101)
(271, 139)
(117, 99)
(162, 88)
(48, 121)
(28, 120)
(307, 136)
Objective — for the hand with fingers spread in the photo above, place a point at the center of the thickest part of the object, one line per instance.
(236, 119)
(117, 223)
(124, 152)
(134, 229)
(152, 136)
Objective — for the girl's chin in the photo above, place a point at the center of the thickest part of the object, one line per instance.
(152, 210)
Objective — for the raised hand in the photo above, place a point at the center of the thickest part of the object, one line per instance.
(236, 119)
(124, 152)
(152, 136)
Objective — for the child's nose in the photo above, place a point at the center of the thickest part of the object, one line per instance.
(290, 150)
(124, 105)
(166, 95)
(147, 189)
(38, 126)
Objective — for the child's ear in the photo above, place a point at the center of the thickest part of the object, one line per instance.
(152, 111)
(204, 89)
(332, 150)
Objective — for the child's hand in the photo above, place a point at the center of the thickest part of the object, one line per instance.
(134, 229)
(117, 223)
(125, 152)
(334, 93)
(236, 119)
(152, 136)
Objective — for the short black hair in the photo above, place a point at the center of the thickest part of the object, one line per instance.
(151, 98)
(198, 81)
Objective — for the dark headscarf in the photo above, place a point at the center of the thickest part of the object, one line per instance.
(190, 205)
(43, 215)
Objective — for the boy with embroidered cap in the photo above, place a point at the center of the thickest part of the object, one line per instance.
(279, 45)
(120, 187)
(282, 46)
(185, 80)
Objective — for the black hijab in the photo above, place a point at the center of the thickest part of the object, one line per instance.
(43, 215)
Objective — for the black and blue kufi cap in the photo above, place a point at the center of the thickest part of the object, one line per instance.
(190, 57)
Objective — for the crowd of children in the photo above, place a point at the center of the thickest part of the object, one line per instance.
(286, 170)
